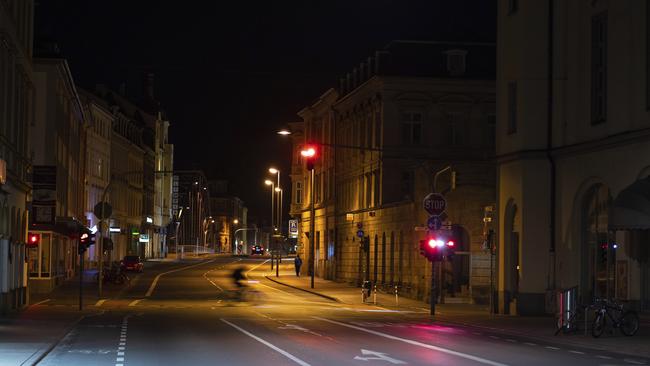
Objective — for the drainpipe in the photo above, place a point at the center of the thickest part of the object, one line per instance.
(549, 147)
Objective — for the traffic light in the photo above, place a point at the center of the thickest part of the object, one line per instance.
(435, 249)
(86, 240)
(33, 239)
(309, 153)
(603, 253)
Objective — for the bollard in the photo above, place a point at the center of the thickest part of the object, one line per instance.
(396, 297)
(375, 295)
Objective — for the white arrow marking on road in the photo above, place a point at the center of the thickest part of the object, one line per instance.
(416, 343)
(377, 356)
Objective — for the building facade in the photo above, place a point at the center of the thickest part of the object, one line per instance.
(193, 199)
(58, 176)
(16, 117)
(98, 159)
(573, 140)
(411, 110)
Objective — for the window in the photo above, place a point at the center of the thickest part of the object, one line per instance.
(456, 62)
(512, 107)
(298, 193)
(513, 6)
(454, 129)
(411, 128)
(599, 68)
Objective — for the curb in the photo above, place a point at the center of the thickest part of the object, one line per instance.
(540, 338)
(53, 345)
(332, 298)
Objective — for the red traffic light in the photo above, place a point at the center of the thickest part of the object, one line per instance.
(33, 239)
(451, 243)
(308, 152)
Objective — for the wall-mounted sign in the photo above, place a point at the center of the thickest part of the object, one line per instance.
(44, 194)
(115, 230)
(144, 238)
(349, 217)
(293, 228)
(149, 220)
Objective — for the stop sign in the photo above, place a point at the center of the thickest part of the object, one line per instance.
(435, 204)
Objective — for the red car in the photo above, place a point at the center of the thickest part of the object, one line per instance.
(132, 263)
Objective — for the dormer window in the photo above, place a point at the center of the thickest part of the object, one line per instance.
(456, 62)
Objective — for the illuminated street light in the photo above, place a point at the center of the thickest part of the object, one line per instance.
(273, 171)
(235, 221)
(284, 132)
(268, 182)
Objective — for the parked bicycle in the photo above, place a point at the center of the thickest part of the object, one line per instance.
(626, 320)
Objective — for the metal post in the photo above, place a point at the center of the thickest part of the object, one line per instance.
(312, 228)
(81, 277)
(441, 281)
(433, 289)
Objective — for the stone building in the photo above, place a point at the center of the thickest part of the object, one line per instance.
(573, 147)
(16, 115)
(229, 215)
(59, 173)
(98, 157)
(394, 121)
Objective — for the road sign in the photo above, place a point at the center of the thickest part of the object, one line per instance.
(360, 233)
(293, 228)
(435, 204)
(103, 210)
(434, 223)
(359, 225)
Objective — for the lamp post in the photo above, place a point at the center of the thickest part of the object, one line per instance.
(278, 190)
(309, 153)
(270, 183)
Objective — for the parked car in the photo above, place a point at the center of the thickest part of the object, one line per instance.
(257, 250)
(132, 263)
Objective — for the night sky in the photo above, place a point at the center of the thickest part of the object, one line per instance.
(229, 74)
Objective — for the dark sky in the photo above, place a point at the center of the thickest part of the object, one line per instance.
(230, 73)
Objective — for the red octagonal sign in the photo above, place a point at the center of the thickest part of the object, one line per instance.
(435, 204)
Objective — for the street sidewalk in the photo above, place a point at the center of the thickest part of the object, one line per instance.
(540, 328)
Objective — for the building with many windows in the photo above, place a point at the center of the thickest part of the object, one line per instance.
(573, 152)
(409, 111)
(59, 173)
(16, 117)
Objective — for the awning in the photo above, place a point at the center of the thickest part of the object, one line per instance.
(631, 208)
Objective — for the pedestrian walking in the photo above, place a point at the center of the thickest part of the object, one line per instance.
(298, 263)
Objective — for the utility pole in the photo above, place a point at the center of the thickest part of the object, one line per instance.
(312, 228)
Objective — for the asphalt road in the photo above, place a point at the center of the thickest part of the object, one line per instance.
(188, 314)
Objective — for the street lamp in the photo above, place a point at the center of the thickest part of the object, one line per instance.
(284, 132)
(309, 153)
(278, 190)
(270, 183)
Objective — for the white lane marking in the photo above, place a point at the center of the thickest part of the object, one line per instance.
(495, 337)
(553, 348)
(279, 350)
(42, 302)
(100, 302)
(120, 353)
(257, 266)
(511, 340)
(603, 357)
(155, 280)
(119, 359)
(416, 343)
(377, 356)
(576, 352)
(135, 302)
(629, 360)
(530, 343)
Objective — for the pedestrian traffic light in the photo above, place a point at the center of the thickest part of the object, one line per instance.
(33, 239)
(436, 248)
(309, 153)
